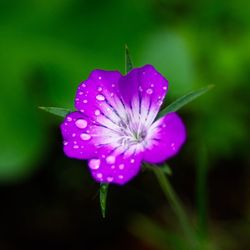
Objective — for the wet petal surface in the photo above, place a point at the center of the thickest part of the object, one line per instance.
(78, 142)
(165, 138)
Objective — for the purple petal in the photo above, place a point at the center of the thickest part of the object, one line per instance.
(98, 96)
(76, 132)
(143, 90)
(166, 136)
(111, 167)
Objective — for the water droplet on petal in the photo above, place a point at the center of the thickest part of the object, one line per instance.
(99, 175)
(113, 167)
(85, 101)
(110, 159)
(113, 85)
(85, 137)
(173, 146)
(74, 135)
(132, 160)
(165, 87)
(160, 103)
(75, 146)
(94, 164)
(149, 91)
(152, 85)
(121, 166)
(83, 85)
(140, 89)
(69, 119)
(110, 178)
(99, 89)
(100, 97)
(100, 78)
(65, 143)
(81, 123)
(120, 176)
(80, 93)
(97, 112)
(112, 94)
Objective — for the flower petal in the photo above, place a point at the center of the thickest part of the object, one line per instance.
(78, 141)
(115, 168)
(164, 139)
(143, 90)
(98, 97)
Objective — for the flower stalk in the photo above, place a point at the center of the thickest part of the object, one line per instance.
(176, 205)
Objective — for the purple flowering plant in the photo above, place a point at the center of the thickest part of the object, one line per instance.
(118, 125)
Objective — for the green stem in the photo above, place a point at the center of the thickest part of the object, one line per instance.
(176, 205)
(201, 192)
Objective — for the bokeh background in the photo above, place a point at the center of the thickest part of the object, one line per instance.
(48, 47)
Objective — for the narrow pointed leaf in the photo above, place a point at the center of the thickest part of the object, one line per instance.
(62, 112)
(184, 100)
(103, 198)
(128, 60)
(166, 169)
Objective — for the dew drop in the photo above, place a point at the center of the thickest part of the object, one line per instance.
(85, 137)
(113, 167)
(99, 89)
(110, 178)
(99, 175)
(94, 164)
(165, 87)
(100, 97)
(149, 91)
(80, 93)
(74, 135)
(65, 143)
(160, 103)
(140, 89)
(69, 119)
(132, 160)
(152, 85)
(83, 85)
(97, 112)
(121, 166)
(100, 78)
(85, 101)
(110, 159)
(81, 123)
(113, 85)
(173, 146)
(120, 176)
(75, 146)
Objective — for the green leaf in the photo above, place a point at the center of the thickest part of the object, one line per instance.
(182, 101)
(166, 169)
(103, 198)
(62, 112)
(128, 60)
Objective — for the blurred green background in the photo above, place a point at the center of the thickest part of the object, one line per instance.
(48, 47)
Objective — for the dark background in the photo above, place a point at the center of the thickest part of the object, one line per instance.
(48, 47)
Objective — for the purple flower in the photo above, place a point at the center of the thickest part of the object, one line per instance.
(115, 127)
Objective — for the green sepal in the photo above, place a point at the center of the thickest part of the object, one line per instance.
(62, 112)
(184, 100)
(103, 198)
